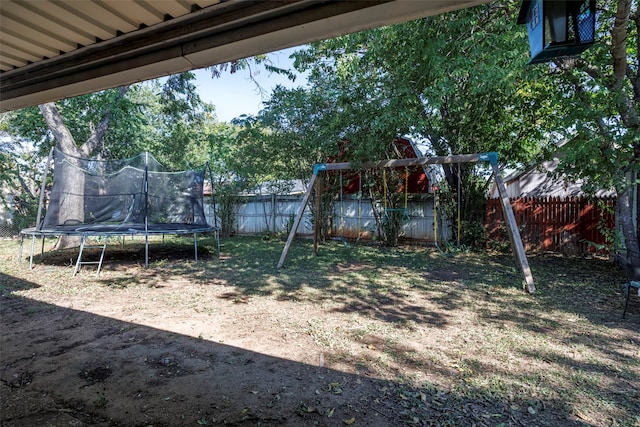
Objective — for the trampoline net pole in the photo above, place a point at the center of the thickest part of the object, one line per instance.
(213, 197)
(42, 191)
(146, 212)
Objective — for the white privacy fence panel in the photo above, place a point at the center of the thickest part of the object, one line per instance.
(268, 214)
(352, 218)
(209, 213)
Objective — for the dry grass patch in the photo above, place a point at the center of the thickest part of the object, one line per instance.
(380, 335)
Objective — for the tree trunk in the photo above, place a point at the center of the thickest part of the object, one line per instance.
(629, 229)
(70, 210)
(72, 204)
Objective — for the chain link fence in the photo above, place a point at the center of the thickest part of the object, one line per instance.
(21, 214)
(8, 230)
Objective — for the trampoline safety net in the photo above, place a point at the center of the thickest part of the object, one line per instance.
(121, 194)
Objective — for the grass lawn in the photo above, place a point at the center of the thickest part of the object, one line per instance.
(381, 336)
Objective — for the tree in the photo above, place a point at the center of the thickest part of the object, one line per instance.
(457, 81)
(600, 95)
(70, 211)
(115, 122)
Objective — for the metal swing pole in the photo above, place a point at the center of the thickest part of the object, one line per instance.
(39, 224)
(317, 219)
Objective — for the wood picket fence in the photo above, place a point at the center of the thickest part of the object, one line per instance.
(571, 225)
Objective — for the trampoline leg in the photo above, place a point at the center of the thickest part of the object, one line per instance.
(79, 260)
(104, 248)
(20, 253)
(146, 251)
(33, 244)
(42, 249)
(195, 246)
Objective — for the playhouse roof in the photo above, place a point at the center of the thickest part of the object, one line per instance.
(418, 181)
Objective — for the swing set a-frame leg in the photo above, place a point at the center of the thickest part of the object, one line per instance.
(297, 220)
(512, 229)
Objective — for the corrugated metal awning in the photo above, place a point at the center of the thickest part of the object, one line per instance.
(61, 48)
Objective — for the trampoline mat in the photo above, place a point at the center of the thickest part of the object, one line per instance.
(118, 229)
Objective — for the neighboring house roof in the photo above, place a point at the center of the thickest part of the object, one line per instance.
(538, 181)
(289, 187)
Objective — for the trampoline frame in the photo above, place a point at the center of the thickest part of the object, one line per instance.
(107, 231)
(116, 231)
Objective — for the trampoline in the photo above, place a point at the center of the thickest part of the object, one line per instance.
(128, 197)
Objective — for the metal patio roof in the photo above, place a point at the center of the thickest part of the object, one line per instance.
(54, 49)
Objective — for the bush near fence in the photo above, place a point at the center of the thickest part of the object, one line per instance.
(576, 225)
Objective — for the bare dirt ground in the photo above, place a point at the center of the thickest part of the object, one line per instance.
(354, 337)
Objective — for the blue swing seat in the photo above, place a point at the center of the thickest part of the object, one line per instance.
(405, 214)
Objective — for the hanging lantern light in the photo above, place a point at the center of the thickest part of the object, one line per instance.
(558, 28)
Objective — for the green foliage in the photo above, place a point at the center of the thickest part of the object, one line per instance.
(8, 172)
(80, 114)
(457, 82)
(167, 119)
(20, 176)
(614, 240)
(392, 222)
(500, 243)
(226, 201)
(598, 95)
(473, 235)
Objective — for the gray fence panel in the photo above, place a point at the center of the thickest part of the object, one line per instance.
(352, 218)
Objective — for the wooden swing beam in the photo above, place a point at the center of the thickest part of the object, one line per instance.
(492, 158)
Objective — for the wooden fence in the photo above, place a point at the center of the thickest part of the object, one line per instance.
(573, 225)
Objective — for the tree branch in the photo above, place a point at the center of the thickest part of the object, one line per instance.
(24, 185)
(55, 123)
(618, 42)
(98, 133)
(582, 96)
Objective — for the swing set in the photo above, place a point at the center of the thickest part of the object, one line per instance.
(492, 157)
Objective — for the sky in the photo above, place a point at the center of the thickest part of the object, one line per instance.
(236, 94)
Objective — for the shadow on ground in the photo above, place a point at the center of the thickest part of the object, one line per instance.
(63, 366)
